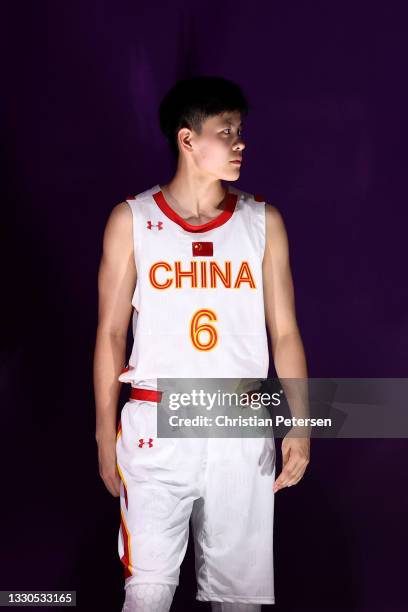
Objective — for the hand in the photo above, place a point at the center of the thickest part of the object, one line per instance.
(108, 470)
(295, 456)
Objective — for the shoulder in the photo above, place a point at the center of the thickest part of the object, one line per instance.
(120, 216)
(256, 202)
(118, 230)
(272, 213)
(274, 219)
(121, 211)
(274, 224)
(275, 231)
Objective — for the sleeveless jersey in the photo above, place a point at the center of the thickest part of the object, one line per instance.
(198, 306)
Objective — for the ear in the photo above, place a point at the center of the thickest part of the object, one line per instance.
(184, 139)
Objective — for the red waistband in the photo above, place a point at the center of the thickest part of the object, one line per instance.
(148, 395)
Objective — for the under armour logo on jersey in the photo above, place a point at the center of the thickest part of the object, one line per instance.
(159, 225)
(142, 442)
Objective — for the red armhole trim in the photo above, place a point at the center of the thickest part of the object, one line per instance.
(259, 198)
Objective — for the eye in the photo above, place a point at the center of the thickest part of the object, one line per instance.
(229, 130)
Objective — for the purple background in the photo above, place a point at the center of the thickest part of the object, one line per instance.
(326, 142)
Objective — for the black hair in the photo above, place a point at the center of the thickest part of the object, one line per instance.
(193, 100)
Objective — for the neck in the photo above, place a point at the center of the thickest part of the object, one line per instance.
(193, 196)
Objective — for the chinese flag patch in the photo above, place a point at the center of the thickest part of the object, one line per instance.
(202, 248)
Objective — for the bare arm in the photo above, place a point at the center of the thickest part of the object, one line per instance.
(116, 283)
(287, 346)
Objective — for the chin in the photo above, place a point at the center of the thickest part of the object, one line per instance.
(234, 175)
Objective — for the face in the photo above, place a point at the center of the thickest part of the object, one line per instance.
(219, 143)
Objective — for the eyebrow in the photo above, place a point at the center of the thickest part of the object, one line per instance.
(232, 123)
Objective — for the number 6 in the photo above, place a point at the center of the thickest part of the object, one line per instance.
(196, 328)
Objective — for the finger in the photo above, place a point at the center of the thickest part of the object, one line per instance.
(291, 484)
(118, 482)
(289, 474)
(280, 482)
(290, 469)
(297, 476)
(114, 490)
(112, 483)
(295, 479)
(302, 472)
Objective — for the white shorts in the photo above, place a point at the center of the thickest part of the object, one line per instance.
(218, 483)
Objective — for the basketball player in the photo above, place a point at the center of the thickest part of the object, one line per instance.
(204, 268)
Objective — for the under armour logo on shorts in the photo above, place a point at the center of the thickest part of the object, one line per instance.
(142, 442)
(159, 225)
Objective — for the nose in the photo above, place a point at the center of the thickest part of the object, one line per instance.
(239, 144)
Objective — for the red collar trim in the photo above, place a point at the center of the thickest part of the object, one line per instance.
(216, 222)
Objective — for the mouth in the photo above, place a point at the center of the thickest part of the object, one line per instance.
(236, 161)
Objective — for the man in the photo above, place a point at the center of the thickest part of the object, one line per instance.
(204, 268)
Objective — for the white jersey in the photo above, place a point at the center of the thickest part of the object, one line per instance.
(198, 301)
(198, 313)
